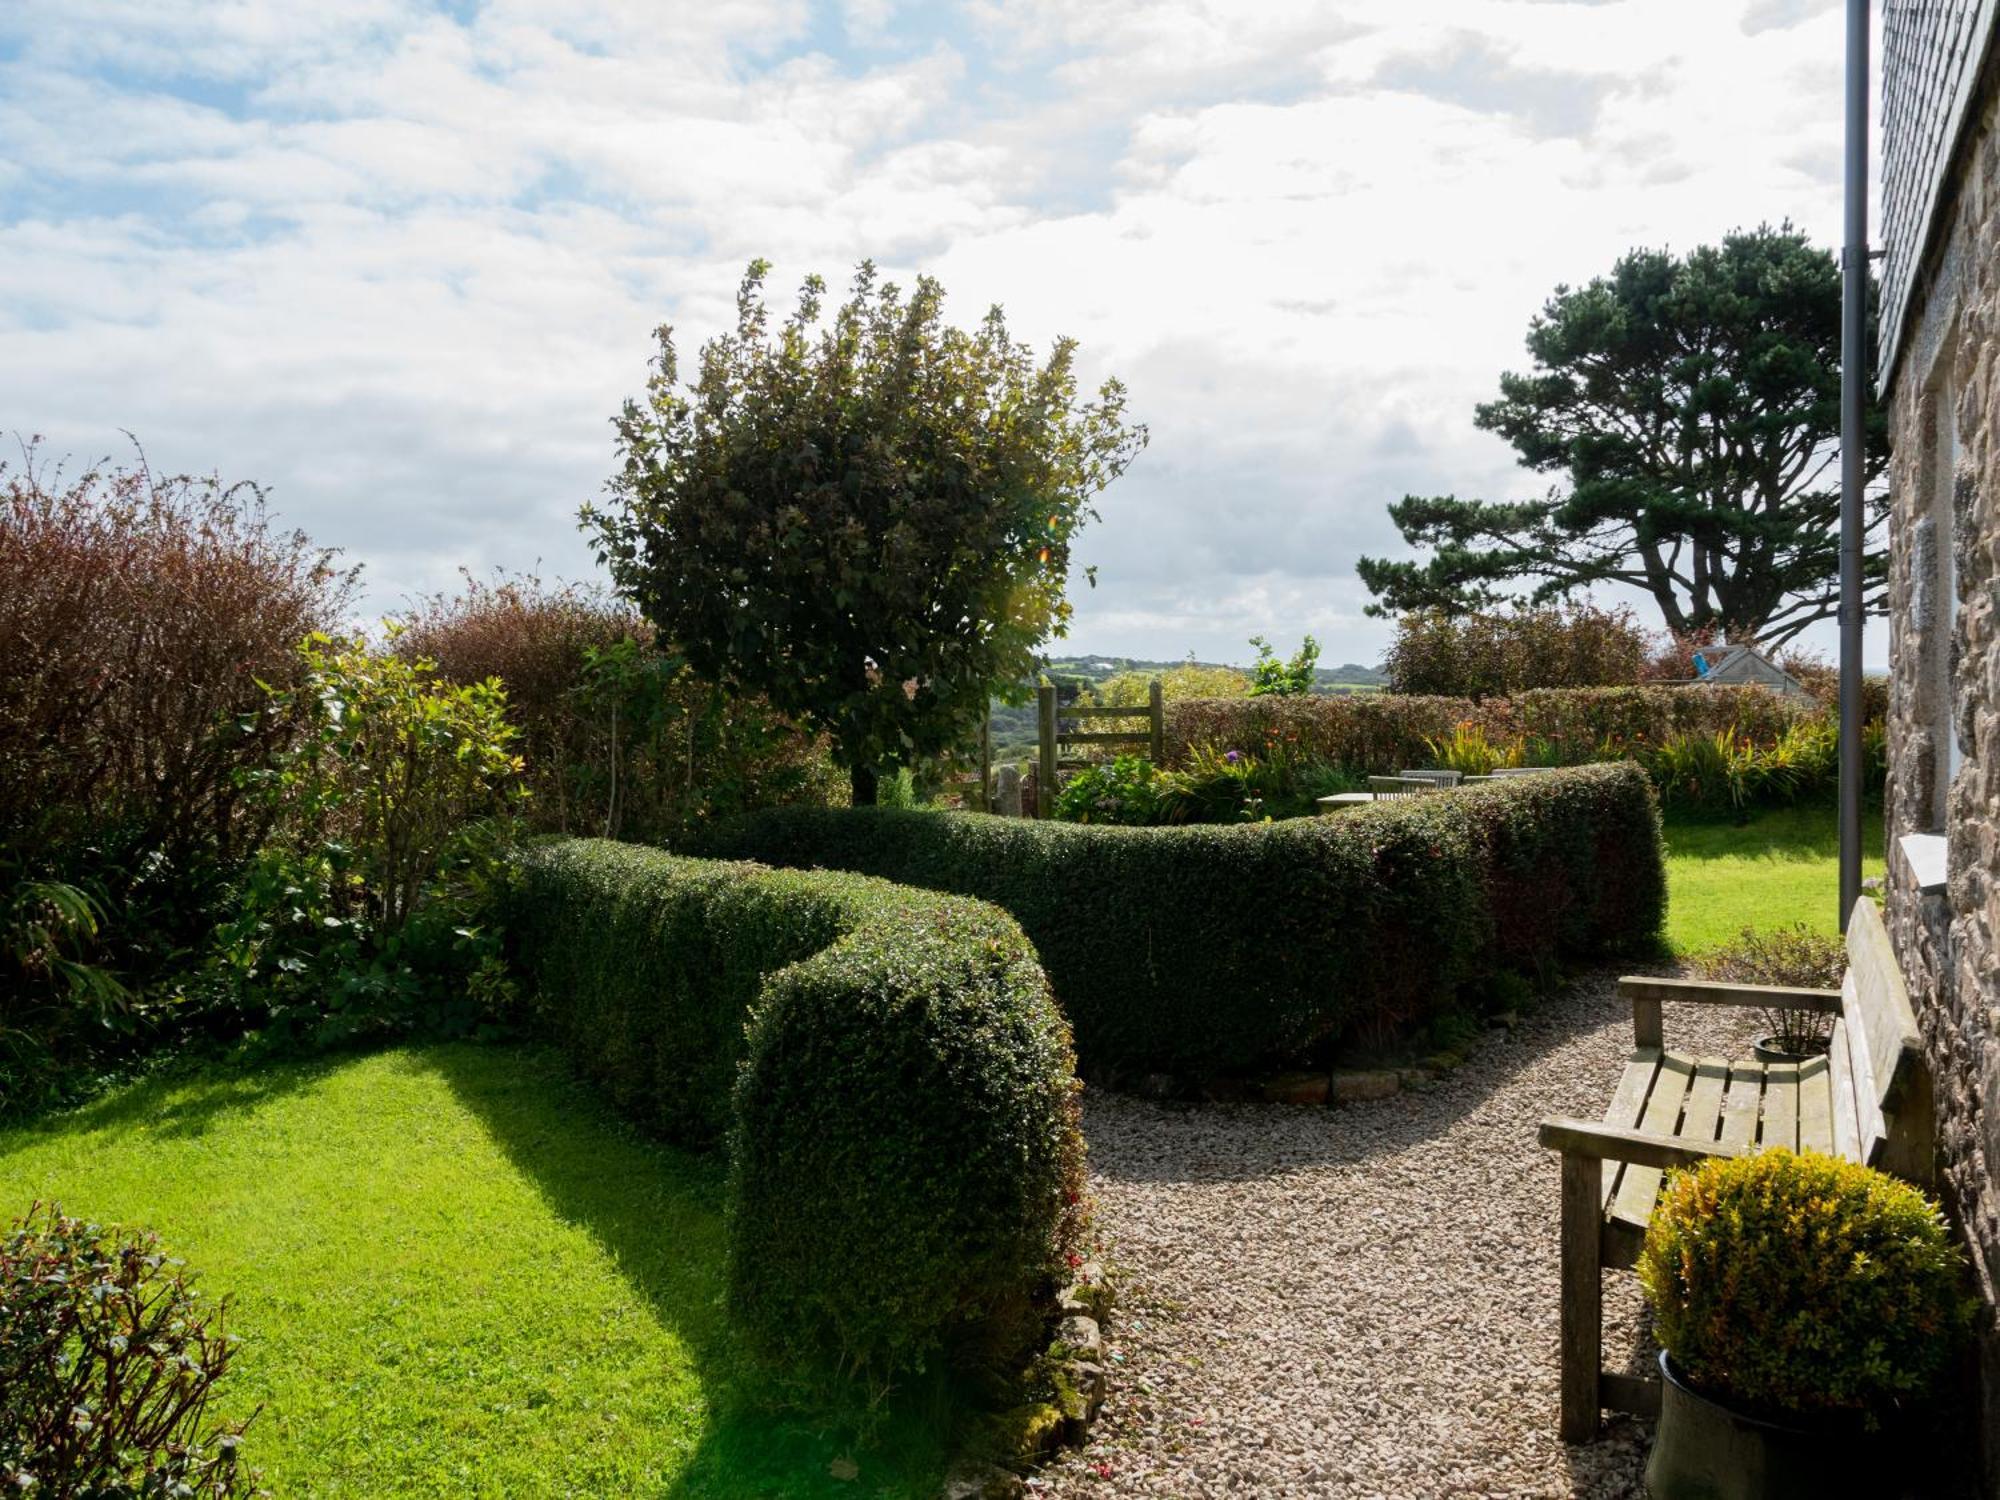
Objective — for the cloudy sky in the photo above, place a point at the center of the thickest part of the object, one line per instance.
(399, 260)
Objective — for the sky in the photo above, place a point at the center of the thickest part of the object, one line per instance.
(400, 262)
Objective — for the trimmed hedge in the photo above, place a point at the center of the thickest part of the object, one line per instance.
(1383, 732)
(894, 1083)
(1197, 949)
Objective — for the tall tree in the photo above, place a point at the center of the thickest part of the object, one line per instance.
(866, 518)
(1692, 407)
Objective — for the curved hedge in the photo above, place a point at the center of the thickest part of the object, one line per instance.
(894, 1083)
(1196, 949)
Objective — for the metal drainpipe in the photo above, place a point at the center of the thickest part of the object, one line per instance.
(1853, 450)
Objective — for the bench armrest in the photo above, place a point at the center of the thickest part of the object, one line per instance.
(1716, 992)
(1611, 1143)
(1647, 993)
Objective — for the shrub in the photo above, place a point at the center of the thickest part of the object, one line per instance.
(1502, 653)
(1803, 1284)
(398, 802)
(1384, 732)
(1795, 956)
(1199, 949)
(894, 1083)
(618, 736)
(139, 616)
(108, 1361)
(1125, 790)
(1272, 678)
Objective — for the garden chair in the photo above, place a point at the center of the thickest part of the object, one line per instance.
(1393, 788)
(1435, 778)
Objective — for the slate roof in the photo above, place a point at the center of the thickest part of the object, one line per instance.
(1932, 51)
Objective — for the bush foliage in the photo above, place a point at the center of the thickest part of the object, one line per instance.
(1498, 654)
(108, 1361)
(1802, 1284)
(366, 912)
(620, 739)
(1197, 949)
(140, 619)
(894, 1083)
(1373, 732)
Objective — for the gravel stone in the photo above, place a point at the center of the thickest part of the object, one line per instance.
(1361, 1302)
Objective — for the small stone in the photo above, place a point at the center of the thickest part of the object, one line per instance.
(976, 1481)
(1082, 1336)
(1297, 1088)
(1358, 1087)
(1227, 1090)
(1090, 1382)
(1415, 1078)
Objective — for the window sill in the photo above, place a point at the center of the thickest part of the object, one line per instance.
(1925, 854)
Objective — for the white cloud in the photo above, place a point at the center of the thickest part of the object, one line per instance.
(403, 267)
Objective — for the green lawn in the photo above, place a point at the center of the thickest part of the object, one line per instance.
(453, 1275)
(1780, 868)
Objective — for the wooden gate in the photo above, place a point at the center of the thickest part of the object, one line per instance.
(1058, 726)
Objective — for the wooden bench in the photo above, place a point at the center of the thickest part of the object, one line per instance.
(1394, 788)
(1868, 1099)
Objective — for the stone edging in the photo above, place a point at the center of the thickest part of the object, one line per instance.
(1074, 1364)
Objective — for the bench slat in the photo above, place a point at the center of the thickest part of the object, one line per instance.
(1702, 1116)
(1871, 1130)
(1815, 1105)
(1635, 1086)
(1882, 1024)
(1639, 1187)
(1743, 1103)
(1781, 1106)
(1846, 1123)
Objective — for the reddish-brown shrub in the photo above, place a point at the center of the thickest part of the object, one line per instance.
(1498, 653)
(1378, 732)
(620, 738)
(138, 616)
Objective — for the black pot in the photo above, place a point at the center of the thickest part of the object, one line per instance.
(1704, 1450)
(1768, 1051)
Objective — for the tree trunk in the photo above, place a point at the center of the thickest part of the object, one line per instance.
(862, 780)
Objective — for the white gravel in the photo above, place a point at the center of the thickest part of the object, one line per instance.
(1360, 1301)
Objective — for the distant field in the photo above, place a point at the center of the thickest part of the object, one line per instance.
(1782, 867)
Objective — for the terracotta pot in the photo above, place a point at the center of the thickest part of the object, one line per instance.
(1704, 1450)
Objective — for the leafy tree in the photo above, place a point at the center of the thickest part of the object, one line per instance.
(1693, 407)
(1270, 677)
(868, 519)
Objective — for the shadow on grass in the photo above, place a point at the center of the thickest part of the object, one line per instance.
(185, 1097)
(1805, 832)
(659, 1212)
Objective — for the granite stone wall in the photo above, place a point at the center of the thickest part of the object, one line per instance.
(1945, 670)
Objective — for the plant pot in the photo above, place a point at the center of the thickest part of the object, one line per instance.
(1768, 1051)
(1704, 1450)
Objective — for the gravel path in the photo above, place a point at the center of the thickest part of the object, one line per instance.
(1361, 1301)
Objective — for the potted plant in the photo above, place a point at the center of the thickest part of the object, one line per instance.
(1805, 1307)
(1795, 956)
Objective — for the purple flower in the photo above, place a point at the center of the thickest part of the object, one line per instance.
(1233, 756)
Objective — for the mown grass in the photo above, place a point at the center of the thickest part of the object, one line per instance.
(1781, 867)
(454, 1275)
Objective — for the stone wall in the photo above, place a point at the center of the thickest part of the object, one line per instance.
(1946, 682)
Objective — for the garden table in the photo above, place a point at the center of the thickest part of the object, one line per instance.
(1340, 800)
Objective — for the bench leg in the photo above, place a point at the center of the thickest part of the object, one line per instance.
(1582, 1295)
